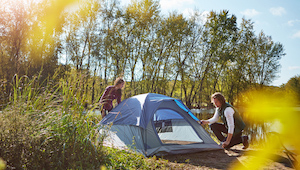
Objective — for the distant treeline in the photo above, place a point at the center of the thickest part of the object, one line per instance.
(183, 57)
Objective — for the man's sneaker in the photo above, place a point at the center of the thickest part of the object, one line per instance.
(245, 142)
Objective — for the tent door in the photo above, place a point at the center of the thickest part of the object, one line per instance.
(172, 128)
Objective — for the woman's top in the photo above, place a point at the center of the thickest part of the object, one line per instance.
(108, 96)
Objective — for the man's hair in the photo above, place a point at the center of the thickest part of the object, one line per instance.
(119, 80)
(219, 97)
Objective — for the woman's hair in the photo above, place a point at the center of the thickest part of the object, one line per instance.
(219, 97)
(119, 80)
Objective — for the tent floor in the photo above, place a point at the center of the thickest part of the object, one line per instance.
(171, 142)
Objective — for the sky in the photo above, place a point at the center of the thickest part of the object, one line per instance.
(279, 19)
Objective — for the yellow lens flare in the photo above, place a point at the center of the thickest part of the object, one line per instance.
(268, 106)
(49, 21)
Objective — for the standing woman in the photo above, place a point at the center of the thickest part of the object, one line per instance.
(111, 93)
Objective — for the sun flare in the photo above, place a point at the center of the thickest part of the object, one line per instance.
(272, 106)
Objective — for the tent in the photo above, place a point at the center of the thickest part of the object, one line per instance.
(155, 124)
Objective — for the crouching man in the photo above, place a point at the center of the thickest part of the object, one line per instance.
(232, 125)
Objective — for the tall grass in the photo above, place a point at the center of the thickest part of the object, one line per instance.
(44, 127)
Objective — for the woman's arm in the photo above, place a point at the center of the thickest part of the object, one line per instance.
(119, 95)
(105, 93)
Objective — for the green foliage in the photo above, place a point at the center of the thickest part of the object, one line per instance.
(103, 39)
(120, 159)
(293, 87)
(40, 131)
(2, 164)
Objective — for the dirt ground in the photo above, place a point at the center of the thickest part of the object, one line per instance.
(222, 159)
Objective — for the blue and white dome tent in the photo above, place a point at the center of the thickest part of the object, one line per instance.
(155, 124)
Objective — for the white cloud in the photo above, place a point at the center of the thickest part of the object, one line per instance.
(292, 22)
(250, 12)
(279, 11)
(296, 35)
(294, 67)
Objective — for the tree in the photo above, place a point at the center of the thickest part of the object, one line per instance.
(267, 59)
(173, 55)
(218, 43)
(293, 87)
(238, 74)
(15, 25)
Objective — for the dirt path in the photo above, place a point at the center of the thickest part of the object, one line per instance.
(220, 159)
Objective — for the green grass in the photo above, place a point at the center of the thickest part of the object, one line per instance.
(44, 128)
(120, 159)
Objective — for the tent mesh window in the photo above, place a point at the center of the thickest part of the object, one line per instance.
(163, 126)
(172, 128)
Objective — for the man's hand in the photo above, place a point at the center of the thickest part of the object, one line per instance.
(228, 139)
(224, 144)
(204, 122)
